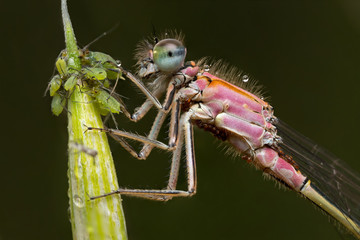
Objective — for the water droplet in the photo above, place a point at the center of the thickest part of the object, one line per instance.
(245, 78)
(206, 68)
(78, 201)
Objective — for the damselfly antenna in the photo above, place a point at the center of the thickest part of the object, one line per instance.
(156, 40)
(101, 36)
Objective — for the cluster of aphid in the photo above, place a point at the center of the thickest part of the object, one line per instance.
(97, 71)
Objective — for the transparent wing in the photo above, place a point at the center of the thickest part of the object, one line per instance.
(331, 176)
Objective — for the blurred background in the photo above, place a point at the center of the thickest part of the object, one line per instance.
(306, 54)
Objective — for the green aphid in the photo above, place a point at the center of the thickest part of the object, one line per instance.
(61, 66)
(102, 58)
(57, 104)
(55, 84)
(71, 82)
(107, 102)
(94, 73)
(114, 74)
(102, 110)
(105, 61)
(106, 83)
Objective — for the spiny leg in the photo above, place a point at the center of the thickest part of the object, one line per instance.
(115, 132)
(159, 120)
(141, 111)
(190, 153)
(154, 132)
(159, 195)
(146, 106)
(176, 139)
(119, 135)
(149, 141)
(141, 86)
(187, 128)
(174, 122)
(155, 129)
(126, 146)
(170, 191)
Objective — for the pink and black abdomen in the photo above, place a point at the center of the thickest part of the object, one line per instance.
(243, 119)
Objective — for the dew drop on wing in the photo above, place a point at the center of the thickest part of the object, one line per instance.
(332, 177)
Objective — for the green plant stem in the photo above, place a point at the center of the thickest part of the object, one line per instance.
(89, 175)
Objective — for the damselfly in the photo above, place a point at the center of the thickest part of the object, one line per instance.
(201, 94)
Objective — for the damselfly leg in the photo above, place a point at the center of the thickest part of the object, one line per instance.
(184, 134)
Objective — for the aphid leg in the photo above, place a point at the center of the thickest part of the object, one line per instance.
(170, 191)
(122, 106)
(116, 82)
(110, 114)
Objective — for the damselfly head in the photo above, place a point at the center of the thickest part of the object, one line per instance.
(165, 55)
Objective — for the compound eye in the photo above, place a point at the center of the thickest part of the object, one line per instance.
(169, 55)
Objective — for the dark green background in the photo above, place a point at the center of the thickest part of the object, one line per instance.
(305, 53)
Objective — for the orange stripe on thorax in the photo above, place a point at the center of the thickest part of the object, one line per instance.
(216, 82)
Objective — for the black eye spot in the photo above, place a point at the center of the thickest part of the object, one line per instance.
(170, 54)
